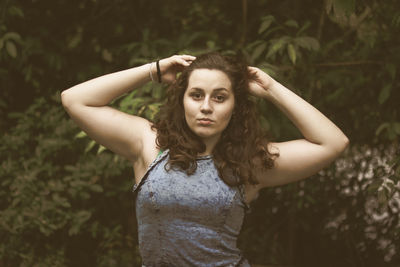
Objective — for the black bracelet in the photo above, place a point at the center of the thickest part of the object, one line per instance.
(158, 71)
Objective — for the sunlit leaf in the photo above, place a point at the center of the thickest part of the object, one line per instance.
(292, 53)
(89, 146)
(101, 149)
(81, 134)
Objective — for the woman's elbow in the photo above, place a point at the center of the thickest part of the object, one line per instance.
(342, 145)
(66, 98)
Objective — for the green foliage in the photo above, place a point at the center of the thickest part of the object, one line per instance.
(352, 205)
(48, 195)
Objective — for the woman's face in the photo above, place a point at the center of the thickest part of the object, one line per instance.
(208, 103)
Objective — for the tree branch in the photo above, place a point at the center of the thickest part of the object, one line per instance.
(244, 23)
(321, 21)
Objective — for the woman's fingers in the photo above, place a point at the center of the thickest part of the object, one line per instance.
(188, 57)
(182, 62)
(185, 59)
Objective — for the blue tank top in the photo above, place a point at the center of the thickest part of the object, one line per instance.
(188, 220)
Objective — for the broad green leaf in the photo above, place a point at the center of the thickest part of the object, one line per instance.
(306, 42)
(292, 53)
(292, 23)
(391, 68)
(265, 24)
(275, 47)
(11, 49)
(305, 26)
(396, 127)
(12, 35)
(258, 50)
(384, 94)
(381, 128)
(251, 46)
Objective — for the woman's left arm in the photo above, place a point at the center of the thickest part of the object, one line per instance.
(323, 140)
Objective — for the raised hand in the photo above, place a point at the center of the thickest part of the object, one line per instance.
(169, 67)
(259, 82)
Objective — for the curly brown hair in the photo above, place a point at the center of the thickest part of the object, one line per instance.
(242, 147)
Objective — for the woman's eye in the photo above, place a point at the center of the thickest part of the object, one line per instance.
(220, 98)
(195, 95)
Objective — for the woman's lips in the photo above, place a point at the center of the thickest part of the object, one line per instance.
(205, 121)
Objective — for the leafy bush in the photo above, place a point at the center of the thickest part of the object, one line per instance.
(60, 206)
(346, 215)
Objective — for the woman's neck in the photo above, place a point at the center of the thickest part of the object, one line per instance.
(210, 145)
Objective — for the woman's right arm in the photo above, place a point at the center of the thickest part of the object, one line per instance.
(86, 103)
(122, 133)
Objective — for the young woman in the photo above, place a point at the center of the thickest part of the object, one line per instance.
(205, 158)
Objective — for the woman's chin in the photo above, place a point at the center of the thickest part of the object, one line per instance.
(206, 135)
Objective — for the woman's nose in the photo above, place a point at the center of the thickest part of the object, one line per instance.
(205, 107)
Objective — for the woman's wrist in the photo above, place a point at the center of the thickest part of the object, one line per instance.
(271, 90)
(155, 71)
(151, 71)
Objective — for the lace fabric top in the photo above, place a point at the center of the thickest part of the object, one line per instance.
(188, 220)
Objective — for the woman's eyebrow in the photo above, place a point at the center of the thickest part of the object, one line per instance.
(221, 89)
(216, 89)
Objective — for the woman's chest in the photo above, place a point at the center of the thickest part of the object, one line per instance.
(174, 192)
